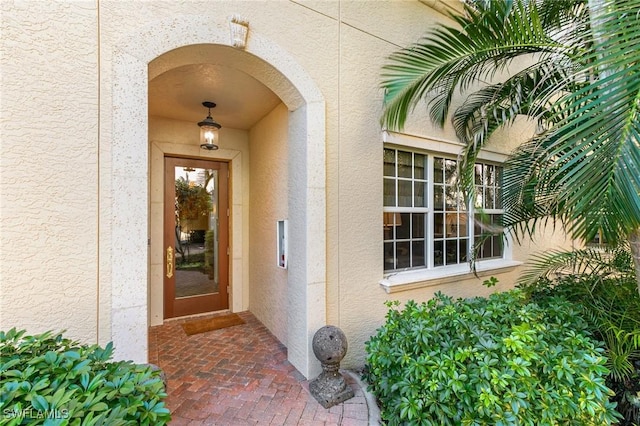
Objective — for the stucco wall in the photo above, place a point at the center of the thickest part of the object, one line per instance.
(269, 203)
(355, 185)
(59, 177)
(295, 88)
(49, 168)
(357, 254)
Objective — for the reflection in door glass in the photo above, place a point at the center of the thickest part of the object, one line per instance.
(196, 209)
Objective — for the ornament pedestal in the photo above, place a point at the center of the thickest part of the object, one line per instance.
(330, 388)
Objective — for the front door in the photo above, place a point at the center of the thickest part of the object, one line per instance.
(196, 236)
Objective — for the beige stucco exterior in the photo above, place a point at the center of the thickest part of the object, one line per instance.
(81, 165)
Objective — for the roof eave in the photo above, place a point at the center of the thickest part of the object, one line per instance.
(446, 7)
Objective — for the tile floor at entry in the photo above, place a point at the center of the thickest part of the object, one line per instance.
(240, 376)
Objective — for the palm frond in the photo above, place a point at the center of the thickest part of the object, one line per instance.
(451, 58)
(590, 158)
(597, 138)
(603, 262)
(602, 282)
(529, 92)
(530, 198)
(621, 351)
(562, 13)
(584, 166)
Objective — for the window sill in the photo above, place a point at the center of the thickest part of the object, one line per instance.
(411, 280)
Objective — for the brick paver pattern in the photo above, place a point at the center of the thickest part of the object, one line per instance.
(240, 376)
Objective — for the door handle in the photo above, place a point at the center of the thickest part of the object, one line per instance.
(169, 262)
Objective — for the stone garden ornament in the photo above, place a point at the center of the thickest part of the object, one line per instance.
(330, 346)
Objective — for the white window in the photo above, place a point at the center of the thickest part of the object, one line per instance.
(427, 223)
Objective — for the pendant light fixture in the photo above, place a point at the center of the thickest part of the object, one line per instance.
(209, 129)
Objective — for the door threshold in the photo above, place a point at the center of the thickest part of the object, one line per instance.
(200, 315)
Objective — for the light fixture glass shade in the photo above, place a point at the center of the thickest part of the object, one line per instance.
(209, 130)
(208, 135)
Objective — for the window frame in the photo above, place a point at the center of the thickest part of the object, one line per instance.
(429, 238)
(396, 210)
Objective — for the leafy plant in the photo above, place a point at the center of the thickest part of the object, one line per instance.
(490, 282)
(192, 200)
(497, 360)
(51, 380)
(572, 67)
(602, 283)
(599, 263)
(209, 247)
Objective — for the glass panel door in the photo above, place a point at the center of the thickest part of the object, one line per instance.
(196, 236)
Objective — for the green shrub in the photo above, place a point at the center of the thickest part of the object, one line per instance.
(50, 380)
(602, 282)
(496, 360)
(611, 305)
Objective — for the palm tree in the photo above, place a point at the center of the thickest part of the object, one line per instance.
(582, 87)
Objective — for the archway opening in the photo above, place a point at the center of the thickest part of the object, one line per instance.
(254, 142)
(301, 104)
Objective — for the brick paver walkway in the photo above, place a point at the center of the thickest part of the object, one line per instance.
(240, 376)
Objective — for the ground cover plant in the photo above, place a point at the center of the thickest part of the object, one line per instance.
(500, 360)
(51, 380)
(602, 282)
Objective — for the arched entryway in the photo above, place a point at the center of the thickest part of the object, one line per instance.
(171, 44)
